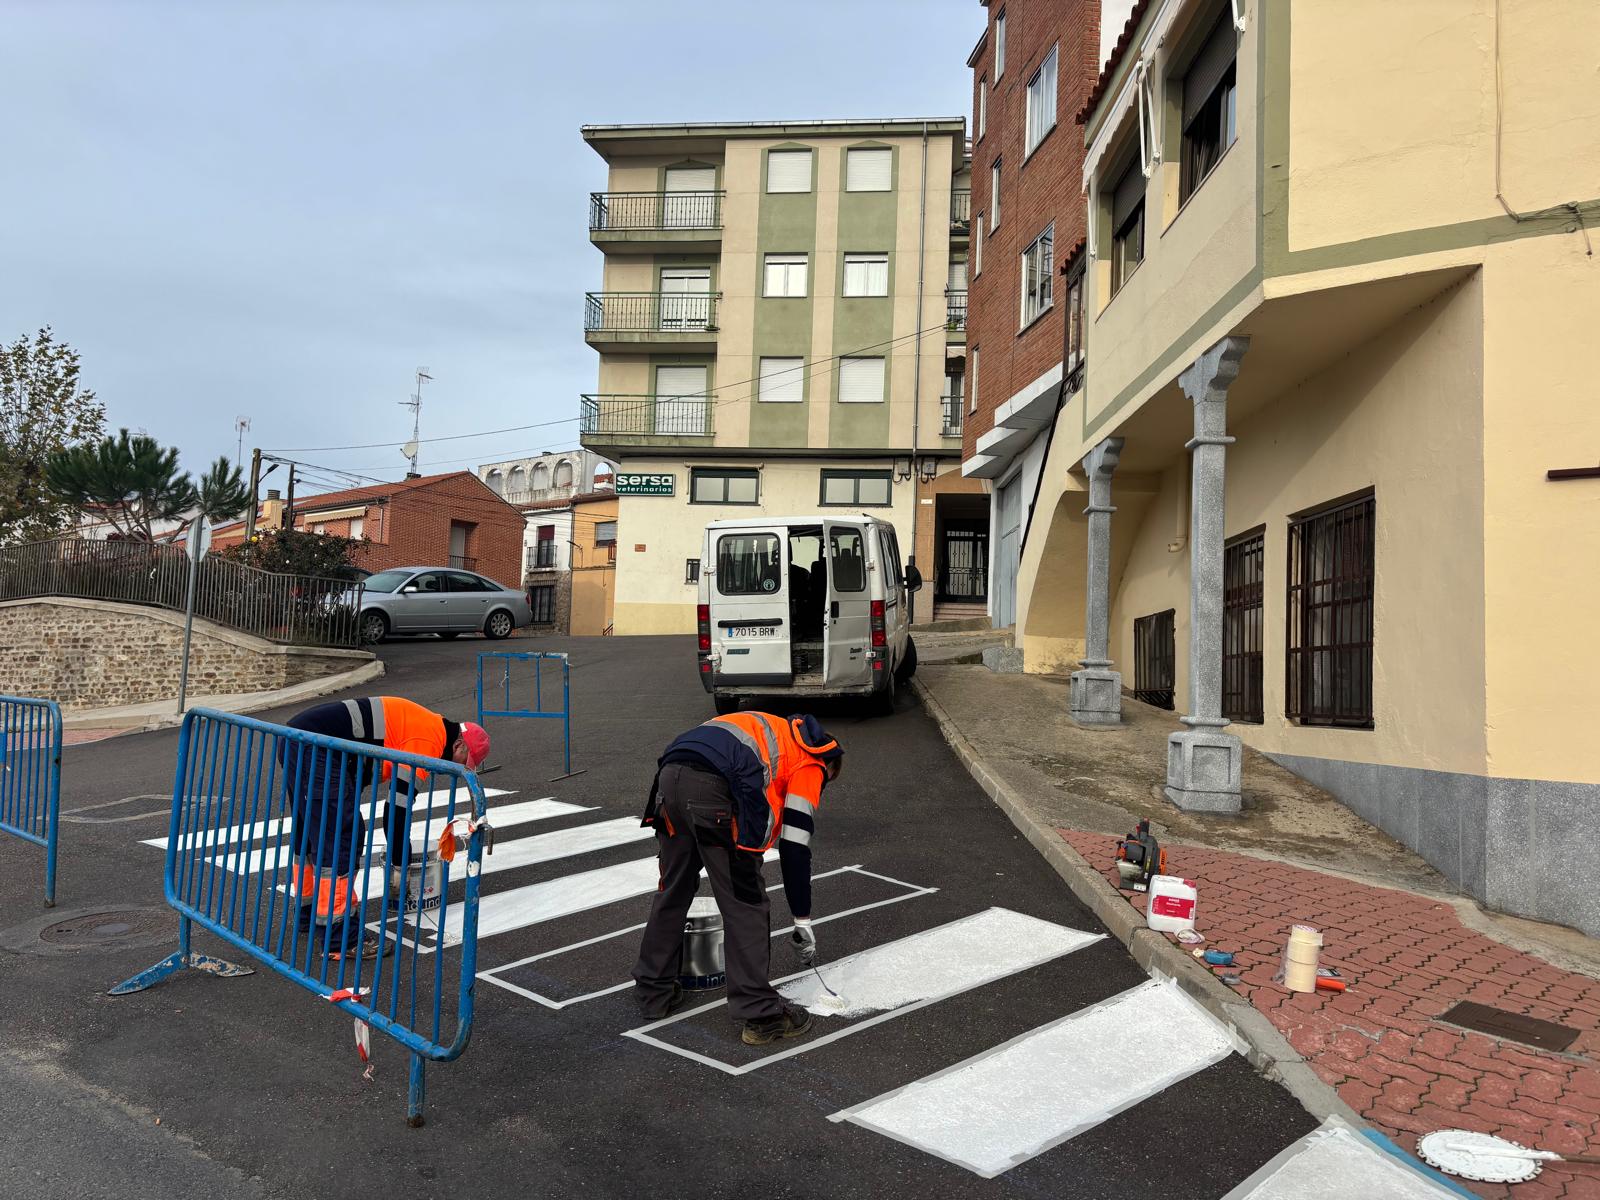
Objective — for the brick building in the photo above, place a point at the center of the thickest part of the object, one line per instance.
(453, 519)
(1032, 71)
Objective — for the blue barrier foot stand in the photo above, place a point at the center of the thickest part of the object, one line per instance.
(568, 775)
(220, 967)
(414, 1101)
(150, 976)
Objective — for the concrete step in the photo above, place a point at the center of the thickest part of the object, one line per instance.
(952, 625)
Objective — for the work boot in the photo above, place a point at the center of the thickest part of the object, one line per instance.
(790, 1023)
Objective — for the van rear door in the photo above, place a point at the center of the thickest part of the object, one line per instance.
(749, 601)
(845, 662)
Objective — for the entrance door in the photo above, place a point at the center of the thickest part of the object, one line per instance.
(690, 199)
(964, 563)
(685, 299)
(849, 627)
(681, 400)
(1008, 554)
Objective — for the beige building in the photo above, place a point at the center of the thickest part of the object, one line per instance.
(1341, 315)
(780, 328)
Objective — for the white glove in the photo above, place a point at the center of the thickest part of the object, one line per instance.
(804, 941)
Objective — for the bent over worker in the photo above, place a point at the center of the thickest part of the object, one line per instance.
(326, 790)
(724, 792)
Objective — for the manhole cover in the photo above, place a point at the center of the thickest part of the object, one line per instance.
(91, 929)
(1513, 1027)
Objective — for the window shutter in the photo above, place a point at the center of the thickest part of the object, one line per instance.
(691, 179)
(1208, 67)
(788, 170)
(868, 170)
(680, 381)
(783, 380)
(958, 276)
(861, 381)
(1130, 190)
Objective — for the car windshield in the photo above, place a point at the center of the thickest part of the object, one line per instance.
(385, 581)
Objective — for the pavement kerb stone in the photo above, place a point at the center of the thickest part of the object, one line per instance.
(1269, 1051)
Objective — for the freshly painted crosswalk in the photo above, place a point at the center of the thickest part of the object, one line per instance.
(1337, 1162)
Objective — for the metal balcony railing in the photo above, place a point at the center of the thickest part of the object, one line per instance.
(960, 208)
(655, 210)
(543, 556)
(657, 416)
(464, 562)
(952, 415)
(650, 312)
(955, 307)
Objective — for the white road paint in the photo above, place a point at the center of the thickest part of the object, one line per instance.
(228, 835)
(1008, 1104)
(911, 973)
(491, 975)
(1335, 1162)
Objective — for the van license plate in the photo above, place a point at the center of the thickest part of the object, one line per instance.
(752, 631)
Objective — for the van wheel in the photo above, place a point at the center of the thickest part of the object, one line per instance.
(725, 704)
(883, 702)
(908, 664)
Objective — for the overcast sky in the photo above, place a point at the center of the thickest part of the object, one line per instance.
(280, 210)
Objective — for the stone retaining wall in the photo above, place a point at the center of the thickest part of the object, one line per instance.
(93, 654)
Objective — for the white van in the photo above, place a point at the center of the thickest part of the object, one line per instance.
(813, 606)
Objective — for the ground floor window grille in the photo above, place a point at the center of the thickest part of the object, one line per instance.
(1330, 575)
(542, 599)
(1242, 575)
(1154, 655)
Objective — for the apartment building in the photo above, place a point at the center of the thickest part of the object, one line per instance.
(1327, 483)
(780, 328)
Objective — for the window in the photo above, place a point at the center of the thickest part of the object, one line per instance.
(1000, 44)
(496, 482)
(972, 390)
(542, 601)
(358, 527)
(319, 527)
(950, 404)
(1127, 226)
(1041, 116)
(782, 381)
(1075, 323)
(518, 482)
(748, 564)
(866, 274)
(856, 489)
(868, 170)
(460, 581)
(1242, 587)
(785, 275)
(1331, 569)
(890, 547)
(1210, 107)
(994, 194)
(544, 552)
(849, 560)
(983, 105)
(1038, 276)
(977, 245)
(724, 485)
(691, 570)
(788, 170)
(1154, 656)
(860, 380)
(605, 533)
(432, 583)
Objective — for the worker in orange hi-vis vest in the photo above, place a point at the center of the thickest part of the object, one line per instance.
(326, 790)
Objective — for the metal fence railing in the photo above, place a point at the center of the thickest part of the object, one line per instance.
(30, 777)
(306, 853)
(950, 404)
(650, 312)
(955, 309)
(295, 610)
(961, 208)
(655, 210)
(662, 416)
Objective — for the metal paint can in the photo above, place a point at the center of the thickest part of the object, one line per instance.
(704, 966)
(424, 882)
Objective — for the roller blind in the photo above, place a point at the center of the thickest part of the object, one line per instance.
(957, 281)
(861, 381)
(782, 380)
(680, 381)
(788, 170)
(868, 170)
(1208, 67)
(691, 179)
(1128, 193)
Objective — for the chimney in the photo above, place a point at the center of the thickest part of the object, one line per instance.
(271, 511)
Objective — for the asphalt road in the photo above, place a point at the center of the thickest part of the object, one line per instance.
(258, 1092)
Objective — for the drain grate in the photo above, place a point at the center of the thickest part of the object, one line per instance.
(1513, 1027)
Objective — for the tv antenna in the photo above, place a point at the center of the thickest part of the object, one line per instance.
(409, 450)
(241, 424)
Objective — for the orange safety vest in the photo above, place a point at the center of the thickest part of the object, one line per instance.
(792, 774)
(409, 727)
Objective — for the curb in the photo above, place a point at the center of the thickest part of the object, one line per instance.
(1270, 1052)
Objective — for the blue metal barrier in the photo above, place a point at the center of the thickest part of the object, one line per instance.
(30, 777)
(280, 843)
(562, 714)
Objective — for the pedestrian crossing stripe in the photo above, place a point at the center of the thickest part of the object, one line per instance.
(1335, 1159)
(1025, 1096)
(904, 975)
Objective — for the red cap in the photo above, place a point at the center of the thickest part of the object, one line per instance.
(477, 739)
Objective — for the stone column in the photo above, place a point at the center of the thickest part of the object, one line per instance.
(1096, 690)
(1203, 762)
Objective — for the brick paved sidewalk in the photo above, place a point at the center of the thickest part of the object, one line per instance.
(1407, 959)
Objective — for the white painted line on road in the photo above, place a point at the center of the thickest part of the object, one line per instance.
(1019, 1099)
(1336, 1160)
(902, 976)
(491, 974)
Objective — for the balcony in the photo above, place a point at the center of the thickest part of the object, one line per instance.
(628, 320)
(667, 222)
(961, 212)
(544, 495)
(464, 562)
(955, 316)
(950, 426)
(627, 420)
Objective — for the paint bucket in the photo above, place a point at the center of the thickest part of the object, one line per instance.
(1300, 956)
(424, 882)
(1170, 908)
(703, 963)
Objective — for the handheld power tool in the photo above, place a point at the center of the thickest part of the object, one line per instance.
(1140, 858)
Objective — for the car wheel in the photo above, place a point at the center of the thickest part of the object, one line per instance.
(499, 625)
(908, 664)
(725, 704)
(449, 637)
(883, 702)
(374, 627)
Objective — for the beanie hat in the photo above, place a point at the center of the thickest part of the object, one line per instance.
(477, 739)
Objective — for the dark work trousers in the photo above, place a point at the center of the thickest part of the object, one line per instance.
(694, 829)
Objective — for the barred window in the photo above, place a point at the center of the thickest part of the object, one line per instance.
(1331, 571)
(1242, 579)
(1154, 658)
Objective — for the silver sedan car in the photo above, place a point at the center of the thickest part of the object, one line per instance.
(439, 600)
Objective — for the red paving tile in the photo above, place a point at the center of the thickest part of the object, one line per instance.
(78, 737)
(1406, 959)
